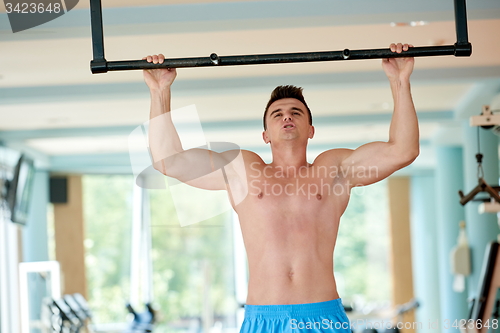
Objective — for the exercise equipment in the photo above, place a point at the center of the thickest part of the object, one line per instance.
(69, 319)
(485, 307)
(99, 64)
(482, 185)
(60, 317)
(83, 315)
(487, 120)
(82, 303)
(143, 321)
(484, 311)
(68, 314)
(400, 311)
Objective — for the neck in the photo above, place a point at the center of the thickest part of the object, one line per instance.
(289, 154)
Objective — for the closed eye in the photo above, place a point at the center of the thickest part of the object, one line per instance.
(277, 115)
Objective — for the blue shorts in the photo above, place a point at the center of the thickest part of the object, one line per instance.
(291, 318)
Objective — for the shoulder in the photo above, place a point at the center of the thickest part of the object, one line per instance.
(250, 157)
(246, 157)
(332, 156)
(233, 153)
(244, 164)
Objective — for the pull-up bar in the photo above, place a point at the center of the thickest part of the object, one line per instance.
(462, 48)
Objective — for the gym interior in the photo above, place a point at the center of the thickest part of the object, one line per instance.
(93, 240)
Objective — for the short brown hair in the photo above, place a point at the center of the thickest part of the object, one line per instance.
(287, 91)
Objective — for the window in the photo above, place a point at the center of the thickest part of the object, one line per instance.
(107, 202)
(362, 250)
(193, 269)
(193, 275)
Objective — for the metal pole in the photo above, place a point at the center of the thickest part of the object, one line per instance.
(463, 47)
(98, 64)
(259, 59)
(461, 22)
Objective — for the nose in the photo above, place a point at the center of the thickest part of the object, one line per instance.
(287, 118)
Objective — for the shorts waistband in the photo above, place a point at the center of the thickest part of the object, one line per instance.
(296, 310)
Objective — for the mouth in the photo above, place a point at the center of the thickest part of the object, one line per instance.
(288, 126)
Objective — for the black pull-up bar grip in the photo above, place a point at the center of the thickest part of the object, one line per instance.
(462, 48)
(259, 59)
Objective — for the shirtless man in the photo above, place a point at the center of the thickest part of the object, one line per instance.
(289, 210)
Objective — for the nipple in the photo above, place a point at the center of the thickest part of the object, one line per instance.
(318, 196)
(260, 195)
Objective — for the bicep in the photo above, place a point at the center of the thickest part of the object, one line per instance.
(202, 168)
(371, 163)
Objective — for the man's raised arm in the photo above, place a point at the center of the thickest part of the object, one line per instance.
(377, 160)
(194, 166)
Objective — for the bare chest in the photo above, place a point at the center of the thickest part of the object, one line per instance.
(296, 195)
(284, 211)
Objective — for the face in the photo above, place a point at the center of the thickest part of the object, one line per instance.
(287, 119)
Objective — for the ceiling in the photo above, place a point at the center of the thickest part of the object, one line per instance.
(52, 107)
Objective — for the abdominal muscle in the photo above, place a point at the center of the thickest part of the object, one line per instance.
(289, 265)
(294, 281)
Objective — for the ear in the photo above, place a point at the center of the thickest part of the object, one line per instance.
(311, 132)
(265, 137)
